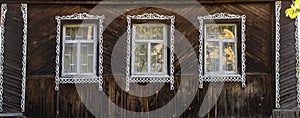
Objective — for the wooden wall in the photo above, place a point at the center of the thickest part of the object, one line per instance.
(256, 100)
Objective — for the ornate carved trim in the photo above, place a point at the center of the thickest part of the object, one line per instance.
(79, 80)
(277, 53)
(129, 78)
(297, 65)
(2, 31)
(24, 51)
(79, 16)
(229, 78)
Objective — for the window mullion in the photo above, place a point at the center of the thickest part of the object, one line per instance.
(63, 51)
(78, 58)
(220, 57)
(95, 52)
(132, 50)
(165, 64)
(149, 58)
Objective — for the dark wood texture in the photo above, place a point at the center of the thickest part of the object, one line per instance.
(253, 101)
(286, 113)
(13, 59)
(256, 100)
(288, 80)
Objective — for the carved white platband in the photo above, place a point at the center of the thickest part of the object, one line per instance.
(157, 79)
(79, 16)
(2, 31)
(230, 78)
(277, 53)
(297, 61)
(24, 51)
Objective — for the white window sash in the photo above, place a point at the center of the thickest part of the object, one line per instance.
(220, 43)
(148, 42)
(78, 43)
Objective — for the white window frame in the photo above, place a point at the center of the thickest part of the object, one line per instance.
(164, 41)
(241, 76)
(297, 43)
(220, 42)
(149, 78)
(59, 76)
(2, 41)
(79, 42)
(277, 56)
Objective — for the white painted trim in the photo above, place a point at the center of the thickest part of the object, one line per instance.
(277, 53)
(24, 59)
(79, 16)
(130, 78)
(229, 78)
(2, 39)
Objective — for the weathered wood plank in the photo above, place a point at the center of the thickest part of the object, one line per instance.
(255, 100)
(13, 59)
(288, 81)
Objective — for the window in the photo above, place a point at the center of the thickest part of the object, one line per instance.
(79, 49)
(150, 48)
(222, 48)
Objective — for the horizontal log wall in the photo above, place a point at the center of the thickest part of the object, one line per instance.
(256, 100)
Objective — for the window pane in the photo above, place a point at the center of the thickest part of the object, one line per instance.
(70, 58)
(141, 32)
(220, 31)
(148, 31)
(79, 33)
(229, 56)
(141, 57)
(157, 32)
(86, 58)
(212, 56)
(157, 59)
(68, 33)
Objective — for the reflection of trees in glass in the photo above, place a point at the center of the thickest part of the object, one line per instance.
(156, 57)
(220, 31)
(149, 49)
(212, 56)
(79, 33)
(141, 57)
(220, 48)
(229, 57)
(149, 32)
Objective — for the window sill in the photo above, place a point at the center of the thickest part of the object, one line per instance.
(150, 76)
(221, 75)
(77, 80)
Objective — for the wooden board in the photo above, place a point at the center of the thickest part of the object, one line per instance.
(12, 74)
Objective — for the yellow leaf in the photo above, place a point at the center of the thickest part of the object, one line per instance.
(293, 15)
